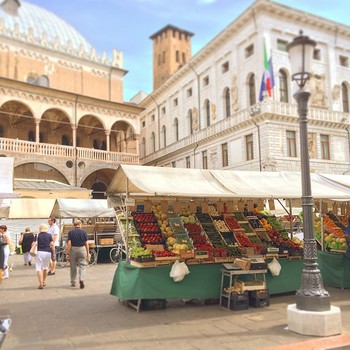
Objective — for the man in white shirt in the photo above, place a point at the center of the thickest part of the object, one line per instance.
(55, 233)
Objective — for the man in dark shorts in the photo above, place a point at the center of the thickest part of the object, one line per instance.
(77, 253)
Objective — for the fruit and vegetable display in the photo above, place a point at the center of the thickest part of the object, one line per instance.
(186, 235)
(334, 235)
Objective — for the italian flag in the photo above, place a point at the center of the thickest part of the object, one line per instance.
(267, 81)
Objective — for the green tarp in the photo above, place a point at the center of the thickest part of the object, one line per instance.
(203, 282)
(335, 269)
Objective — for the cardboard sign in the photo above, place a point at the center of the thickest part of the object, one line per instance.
(164, 206)
(192, 207)
(271, 204)
(205, 209)
(220, 207)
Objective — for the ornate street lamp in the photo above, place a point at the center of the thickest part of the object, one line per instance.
(311, 296)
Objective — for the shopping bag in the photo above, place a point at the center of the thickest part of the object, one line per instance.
(34, 249)
(178, 271)
(275, 267)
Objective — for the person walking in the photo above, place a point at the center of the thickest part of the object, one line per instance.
(46, 249)
(78, 253)
(3, 244)
(6, 250)
(54, 230)
(26, 240)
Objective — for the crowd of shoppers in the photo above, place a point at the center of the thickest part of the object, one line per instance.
(47, 242)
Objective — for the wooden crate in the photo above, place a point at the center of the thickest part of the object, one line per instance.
(105, 241)
(249, 285)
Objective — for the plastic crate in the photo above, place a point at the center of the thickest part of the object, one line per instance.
(239, 301)
(259, 298)
(153, 304)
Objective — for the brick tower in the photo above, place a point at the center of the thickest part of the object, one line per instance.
(171, 50)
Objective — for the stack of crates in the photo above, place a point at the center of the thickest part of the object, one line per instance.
(259, 298)
(239, 301)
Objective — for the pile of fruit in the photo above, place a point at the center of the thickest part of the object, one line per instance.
(232, 223)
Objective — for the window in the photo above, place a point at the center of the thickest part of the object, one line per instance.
(345, 97)
(225, 67)
(183, 57)
(207, 111)
(344, 61)
(143, 123)
(282, 45)
(190, 120)
(224, 153)
(317, 54)
(205, 159)
(251, 86)
(153, 118)
(175, 102)
(164, 135)
(291, 144)
(325, 147)
(163, 56)
(35, 79)
(177, 56)
(2, 133)
(153, 142)
(249, 51)
(163, 110)
(227, 102)
(283, 86)
(189, 92)
(173, 164)
(176, 125)
(188, 162)
(206, 81)
(249, 147)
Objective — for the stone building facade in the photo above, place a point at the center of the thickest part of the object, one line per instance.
(62, 114)
(208, 114)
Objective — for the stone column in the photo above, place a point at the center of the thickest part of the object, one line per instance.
(74, 135)
(137, 145)
(37, 130)
(107, 133)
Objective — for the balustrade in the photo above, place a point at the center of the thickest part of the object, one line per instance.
(15, 146)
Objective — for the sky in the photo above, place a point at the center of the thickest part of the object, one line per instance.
(126, 25)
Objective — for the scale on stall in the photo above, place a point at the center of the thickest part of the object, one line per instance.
(257, 263)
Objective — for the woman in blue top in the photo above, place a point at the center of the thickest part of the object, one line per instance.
(347, 237)
(42, 259)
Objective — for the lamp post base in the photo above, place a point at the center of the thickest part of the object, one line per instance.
(313, 303)
(321, 324)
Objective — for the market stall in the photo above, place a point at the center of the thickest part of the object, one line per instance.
(98, 220)
(223, 207)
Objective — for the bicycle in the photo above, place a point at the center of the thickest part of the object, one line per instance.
(116, 254)
(61, 257)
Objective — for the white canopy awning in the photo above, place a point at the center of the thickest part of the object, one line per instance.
(180, 182)
(29, 208)
(158, 181)
(256, 184)
(82, 208)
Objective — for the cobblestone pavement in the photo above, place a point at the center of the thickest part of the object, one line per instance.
(62, 317)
